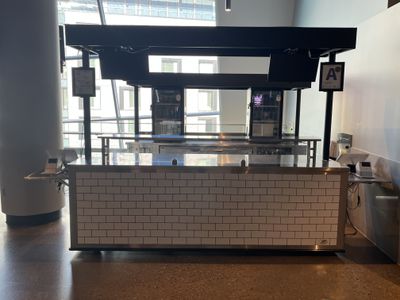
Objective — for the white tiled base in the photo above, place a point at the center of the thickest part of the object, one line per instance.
(206, 209)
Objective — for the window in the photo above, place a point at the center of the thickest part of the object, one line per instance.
(96, 127)
(129, 126)
(144, 7)
(126, 98)
(210, 124)
(145, 121)
(64, 102)
(64, 75)
(207, 100)
(207, 66)
(66, 142)
(159, 9)
(95, 102)
(170, 65)
(64, 98)
(81, 130)
(115, 7)
(95, 63)
(126, 12)
(173, 8)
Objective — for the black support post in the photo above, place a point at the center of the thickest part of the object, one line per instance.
(86, 114)
(298, 105)
(136, 108)
(328, 116)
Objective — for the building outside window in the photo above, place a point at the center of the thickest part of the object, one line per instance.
(207, 66)
(126, 98)
(207, 100)
(202, 10)
(81, 130)
(95, 102)
(66, 141)
(131, 12)
(96, 128)
(129, 126)
(64, 97)
(171, 65)
(65, 104)
(210, 124)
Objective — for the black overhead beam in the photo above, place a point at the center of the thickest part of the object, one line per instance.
(324, 40)
(283, 68)
(294, 52)
(239, 52)
(214, 81)
(251, 52)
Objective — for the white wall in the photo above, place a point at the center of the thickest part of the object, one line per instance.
(256, 13)
(370, 104)
(368, 108)
(325, 13)
(338, 13)
(247, 13)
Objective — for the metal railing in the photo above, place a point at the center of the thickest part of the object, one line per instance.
(73, 130)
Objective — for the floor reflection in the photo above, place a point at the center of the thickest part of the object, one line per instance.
(35, 263)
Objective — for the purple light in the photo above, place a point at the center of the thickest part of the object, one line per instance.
(258, 100)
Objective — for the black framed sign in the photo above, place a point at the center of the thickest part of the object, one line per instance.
(331, 77)
(83, 82)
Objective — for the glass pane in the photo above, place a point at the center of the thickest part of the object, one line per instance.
(129, 12)
(207, 66)
(78, 12)
(203, 125)
(171, 65)
(102, 107)
(266, 112)
(160, 12)
(167, 111)
(183, 64)
(145, 122)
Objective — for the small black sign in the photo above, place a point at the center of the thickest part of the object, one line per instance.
(83, 82)
(331, 77)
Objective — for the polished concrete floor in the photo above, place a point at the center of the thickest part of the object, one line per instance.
(35, 263)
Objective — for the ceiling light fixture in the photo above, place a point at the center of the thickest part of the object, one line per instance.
(228, 6)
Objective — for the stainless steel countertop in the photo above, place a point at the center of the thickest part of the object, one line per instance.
(226, 138)
(216, 143)
(209, 160)
(354, 179)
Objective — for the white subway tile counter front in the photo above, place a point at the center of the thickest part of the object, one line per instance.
(207, 201)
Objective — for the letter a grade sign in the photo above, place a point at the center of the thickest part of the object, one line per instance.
(331, 77)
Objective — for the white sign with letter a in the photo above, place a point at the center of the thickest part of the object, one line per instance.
(331, 77)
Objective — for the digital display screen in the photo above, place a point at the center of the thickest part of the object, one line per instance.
(365, 164)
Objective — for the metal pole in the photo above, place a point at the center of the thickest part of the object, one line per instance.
(101, 12)
(86, 114)
(281, 114)
(298, 105)
(328, 116)
(136, 108)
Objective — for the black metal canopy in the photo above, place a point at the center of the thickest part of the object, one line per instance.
(294, 52)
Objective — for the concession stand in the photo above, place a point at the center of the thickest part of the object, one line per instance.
(174, 189)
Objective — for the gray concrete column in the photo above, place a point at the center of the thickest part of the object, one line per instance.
(30, 108)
